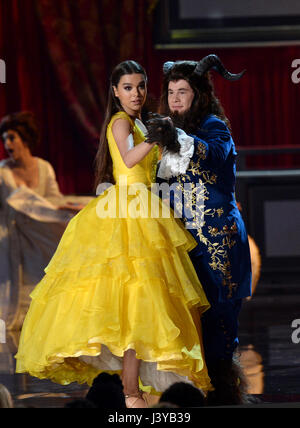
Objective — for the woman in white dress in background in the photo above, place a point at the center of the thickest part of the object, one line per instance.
(31, 224)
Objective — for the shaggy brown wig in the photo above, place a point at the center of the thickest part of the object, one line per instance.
(204, 103)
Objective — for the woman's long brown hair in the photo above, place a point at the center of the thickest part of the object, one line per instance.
(103, 161)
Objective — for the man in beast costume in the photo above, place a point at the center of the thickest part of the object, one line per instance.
(203, 168)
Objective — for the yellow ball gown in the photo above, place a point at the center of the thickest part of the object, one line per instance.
(118, 282)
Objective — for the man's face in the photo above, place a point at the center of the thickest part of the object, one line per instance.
(180, 96)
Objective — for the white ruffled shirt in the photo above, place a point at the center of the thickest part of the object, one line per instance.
(174, 164)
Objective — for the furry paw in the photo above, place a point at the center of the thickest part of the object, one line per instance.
(162, 131)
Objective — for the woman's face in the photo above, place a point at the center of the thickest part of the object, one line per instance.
(14, 144)
(180, 96)
(132, 93)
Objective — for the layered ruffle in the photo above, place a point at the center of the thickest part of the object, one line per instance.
(116, 284)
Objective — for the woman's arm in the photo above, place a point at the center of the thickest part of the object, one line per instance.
(121, 130)
(52, 192)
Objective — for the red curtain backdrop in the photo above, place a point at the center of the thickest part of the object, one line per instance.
(59, 55)
(264, 106)
(85, 40)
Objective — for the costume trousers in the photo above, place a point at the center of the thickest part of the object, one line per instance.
(220, 322)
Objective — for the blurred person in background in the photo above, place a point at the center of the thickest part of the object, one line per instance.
(33, 215)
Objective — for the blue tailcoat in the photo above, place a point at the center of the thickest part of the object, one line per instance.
(204, 198)
(210, 211)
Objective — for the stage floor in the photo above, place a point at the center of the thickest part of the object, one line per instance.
(270, 358)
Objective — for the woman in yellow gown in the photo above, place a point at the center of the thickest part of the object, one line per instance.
(120, 294)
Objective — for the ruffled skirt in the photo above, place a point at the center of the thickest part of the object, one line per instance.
(116, 284)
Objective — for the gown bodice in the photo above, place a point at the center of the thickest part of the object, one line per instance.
(143, 172)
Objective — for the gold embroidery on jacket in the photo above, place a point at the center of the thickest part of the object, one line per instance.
(218, 250)
(214, 231)
(201, 150)
(219, 255)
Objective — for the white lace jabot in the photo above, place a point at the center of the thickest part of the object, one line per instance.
(174, 164)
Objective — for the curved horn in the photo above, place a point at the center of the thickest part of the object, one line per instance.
(213, 61)
(167, 66)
